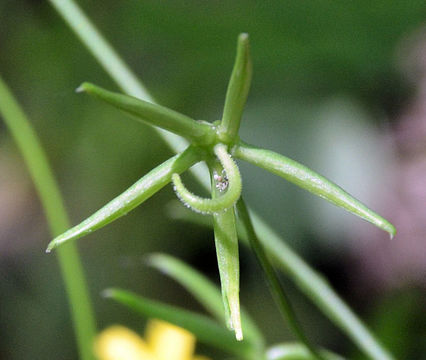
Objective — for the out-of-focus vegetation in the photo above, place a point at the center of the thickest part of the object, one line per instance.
(330, 86)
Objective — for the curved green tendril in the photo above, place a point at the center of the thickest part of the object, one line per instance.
(207, 205)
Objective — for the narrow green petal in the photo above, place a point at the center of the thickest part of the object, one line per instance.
(206, 330)
(311, 181)
(199, 132)
(226, 241)
(207, 293)
(295, 351)
(131, 198)
(238, 89)
(219, 203)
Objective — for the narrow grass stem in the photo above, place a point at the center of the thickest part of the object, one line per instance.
(319, 290)
(42, 176)
(277, 291)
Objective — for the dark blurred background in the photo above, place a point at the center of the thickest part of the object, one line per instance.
(338, 86)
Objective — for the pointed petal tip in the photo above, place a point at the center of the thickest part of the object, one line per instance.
(151, 259)
(82, 88)
(239, 335)
(243, 37)
(244, 41)
(50, 247)
(390, 229)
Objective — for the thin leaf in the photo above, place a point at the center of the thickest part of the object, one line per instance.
(36, 160)
(238, 89)
(226, 242)
(309, 281)
(131, 198)
(206, 330)
(207, 293)
(294, 351)
(153, 114)
(316, 287)
(311, 181)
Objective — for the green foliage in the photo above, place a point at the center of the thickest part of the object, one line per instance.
(315, 287)
(206, 330)
(57, 218)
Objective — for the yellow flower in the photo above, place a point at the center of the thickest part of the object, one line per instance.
(163, 341)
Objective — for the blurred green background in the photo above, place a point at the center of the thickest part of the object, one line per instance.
(338, 86)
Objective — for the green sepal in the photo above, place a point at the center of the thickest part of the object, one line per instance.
(206, 292)
(238, 89)
(205, 329)
(131, 198)
(295, 351)
(226, 242)
(309, 180)
(153, 114)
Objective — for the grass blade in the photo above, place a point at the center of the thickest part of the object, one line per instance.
(42, 175)
(275, 287)
(206, 330)
(294, 351)
(207, 293)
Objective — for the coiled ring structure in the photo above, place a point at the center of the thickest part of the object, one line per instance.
(216, 204)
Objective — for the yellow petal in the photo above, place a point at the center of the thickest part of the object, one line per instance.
(169, 342)
(120, 343)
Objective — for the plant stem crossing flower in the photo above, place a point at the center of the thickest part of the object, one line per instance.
(163, 341)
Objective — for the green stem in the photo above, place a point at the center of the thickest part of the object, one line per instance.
(281, 298)
(204, 328)
(317, 288)
(312, 284)
(41, 174)
(295, 351)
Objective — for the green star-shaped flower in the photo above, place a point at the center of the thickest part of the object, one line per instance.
(217, 144)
